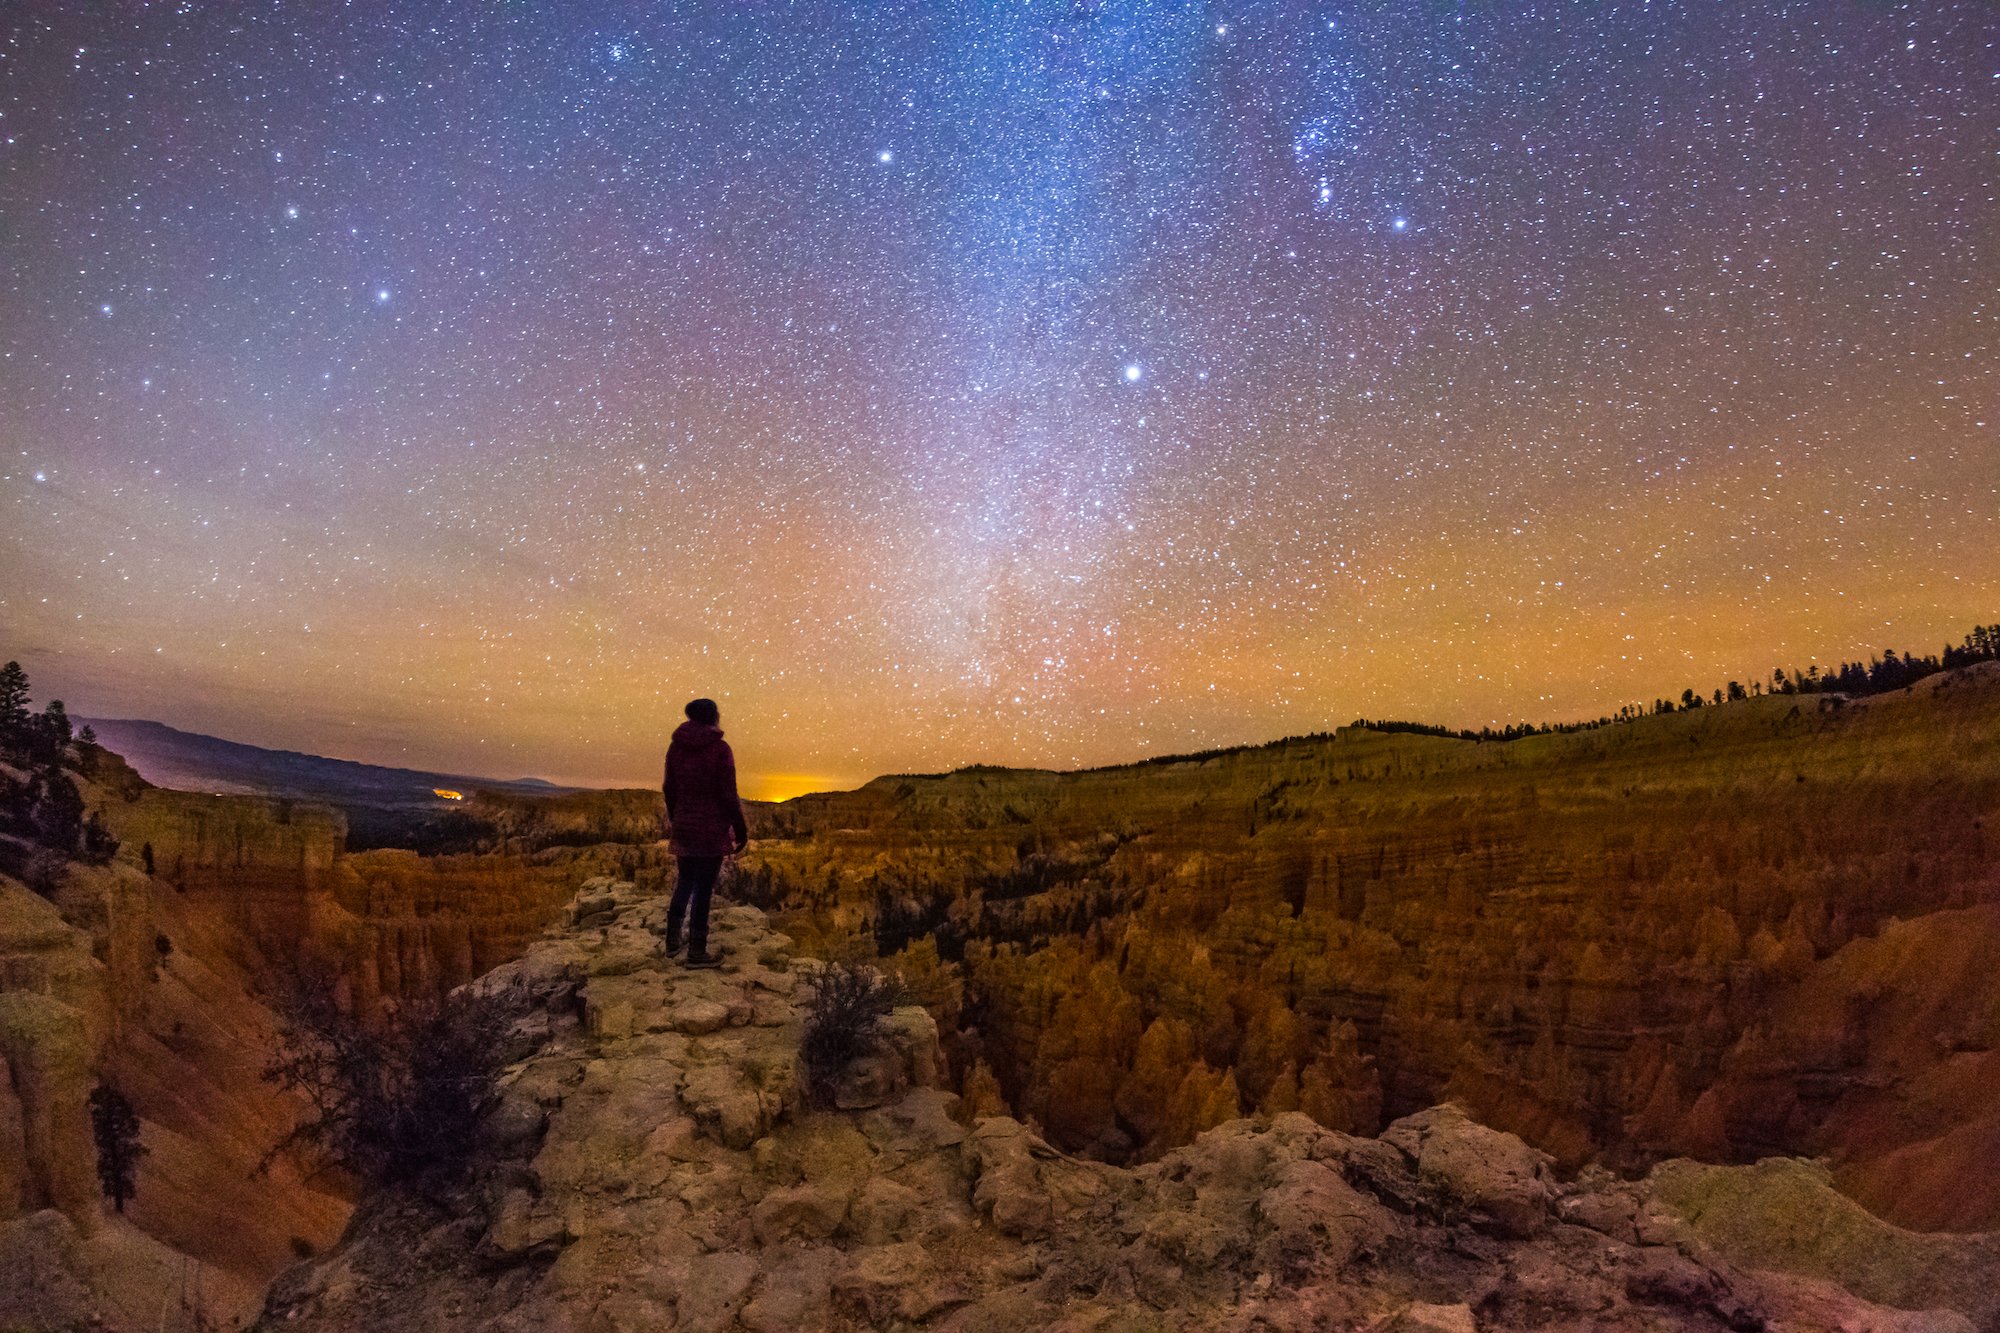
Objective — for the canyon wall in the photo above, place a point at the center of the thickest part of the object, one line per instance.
(164, 986)
(113, 980)
(392, 924)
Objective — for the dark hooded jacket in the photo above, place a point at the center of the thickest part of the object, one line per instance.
(702, 808)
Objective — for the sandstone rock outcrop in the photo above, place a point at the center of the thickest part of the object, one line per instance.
(118, 980)
(650, 1163)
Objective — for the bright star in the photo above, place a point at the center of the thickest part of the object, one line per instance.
(382, 296)
(1401, 224)
(292, 211)
(1134, 372)
(885, 157)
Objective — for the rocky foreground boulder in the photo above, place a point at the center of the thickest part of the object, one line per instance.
(652, 1163)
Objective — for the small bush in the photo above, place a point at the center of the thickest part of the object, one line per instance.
(42, 869)
(55, 811)
(96, 844)
(399, 1098)
(115, 1126)
(848, 1006)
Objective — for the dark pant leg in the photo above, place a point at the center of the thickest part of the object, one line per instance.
(694, 887)
(677, 907)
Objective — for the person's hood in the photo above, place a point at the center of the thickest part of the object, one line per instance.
(697, 735)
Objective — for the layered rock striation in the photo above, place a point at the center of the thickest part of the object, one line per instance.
(114, 980)
(394, 925)
(157, 976)
(651, 1162)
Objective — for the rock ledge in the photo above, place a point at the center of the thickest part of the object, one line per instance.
(652, 1165)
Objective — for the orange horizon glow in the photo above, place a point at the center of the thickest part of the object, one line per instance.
(1479, 376)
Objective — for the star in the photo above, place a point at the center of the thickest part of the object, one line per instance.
(881, 463)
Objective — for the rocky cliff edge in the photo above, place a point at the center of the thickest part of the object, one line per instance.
(651, 1163)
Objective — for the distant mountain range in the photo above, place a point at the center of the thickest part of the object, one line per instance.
(187, 761)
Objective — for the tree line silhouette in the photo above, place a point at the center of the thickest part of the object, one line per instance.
(42, 818)
(1878, 675)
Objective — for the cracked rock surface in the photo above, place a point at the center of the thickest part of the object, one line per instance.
(652, 1165)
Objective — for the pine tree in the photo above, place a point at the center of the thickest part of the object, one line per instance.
(116, 1127)
(46, 738)
(13, 702)
(55, 811)
(97, 845)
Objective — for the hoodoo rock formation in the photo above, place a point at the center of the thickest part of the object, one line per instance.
(1230, 1038)
(1732, 932)
(652, 1163)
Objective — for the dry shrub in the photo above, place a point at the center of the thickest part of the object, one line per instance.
(398, 1098)
(848, 1007)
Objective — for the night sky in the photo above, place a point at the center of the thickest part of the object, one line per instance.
(468, 385)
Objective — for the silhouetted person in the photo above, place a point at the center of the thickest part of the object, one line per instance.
(705, 820)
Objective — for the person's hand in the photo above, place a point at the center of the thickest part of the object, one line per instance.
(742, 843)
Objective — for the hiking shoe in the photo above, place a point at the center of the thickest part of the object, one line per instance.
(673, 944)
(701, 958)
